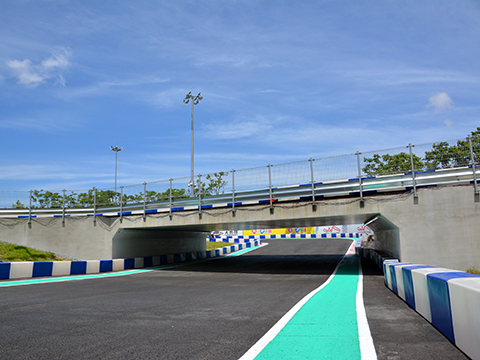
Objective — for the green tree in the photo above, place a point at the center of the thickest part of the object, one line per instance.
(391, 164)
(444, 156)
(18, 205)
(214, 184)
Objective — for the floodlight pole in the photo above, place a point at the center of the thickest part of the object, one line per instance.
(116, 149)
(195, 101)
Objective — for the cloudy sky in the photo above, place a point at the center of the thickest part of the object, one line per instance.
(282, 81)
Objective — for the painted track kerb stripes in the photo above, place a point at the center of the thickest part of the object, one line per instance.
(118, 273)
(366, 342)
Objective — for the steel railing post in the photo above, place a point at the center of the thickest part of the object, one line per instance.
(233, 192)
(144, 201)
(474, 169)
(170, 199)
(362, 202)
(270, 187)
(121, 203)
(63, 209)
(414, 181)
(30, 210)
(199, 196)
(94, 206)
(314, 204)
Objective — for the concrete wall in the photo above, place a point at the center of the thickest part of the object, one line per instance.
(441, 230)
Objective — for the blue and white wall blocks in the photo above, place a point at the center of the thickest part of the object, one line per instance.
(32, 269)
(449, 299)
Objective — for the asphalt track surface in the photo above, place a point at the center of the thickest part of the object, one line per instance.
(214, 309)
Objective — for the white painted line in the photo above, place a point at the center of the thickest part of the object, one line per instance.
(367, 348)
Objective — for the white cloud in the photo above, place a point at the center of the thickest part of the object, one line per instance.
(51, 68)
(448, 123)
(440, 102)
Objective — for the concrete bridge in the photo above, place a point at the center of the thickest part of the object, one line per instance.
(439, 226)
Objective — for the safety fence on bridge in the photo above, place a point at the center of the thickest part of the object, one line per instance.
(354, 175)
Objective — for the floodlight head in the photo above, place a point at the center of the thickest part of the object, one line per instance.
(195, 102)
(185, 101)
(200, 97)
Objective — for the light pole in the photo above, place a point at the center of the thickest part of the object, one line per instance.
(195, 101)
(116, 149)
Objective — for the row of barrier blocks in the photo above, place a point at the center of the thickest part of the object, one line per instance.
(241, 238)
(33, 269)
(448, 299)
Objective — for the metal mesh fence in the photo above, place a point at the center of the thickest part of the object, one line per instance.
(430, 156)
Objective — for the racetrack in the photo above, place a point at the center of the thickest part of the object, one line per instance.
(215, 309)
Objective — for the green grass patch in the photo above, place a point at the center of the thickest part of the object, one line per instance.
(473, 270)
(12, 252)
(217, 245)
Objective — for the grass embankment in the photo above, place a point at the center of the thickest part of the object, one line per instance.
(473, 270)
(217, 245)
(12, 252)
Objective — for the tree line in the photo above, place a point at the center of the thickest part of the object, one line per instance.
(41, 199)
(441, 156)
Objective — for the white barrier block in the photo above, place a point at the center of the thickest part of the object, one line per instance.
(155, 260)
(22, 269)
(138, 263)
(93, 266)
(420, 289)
(118, 264)
(388, 276)
(465, 306)
(400, 283)
(61, 268)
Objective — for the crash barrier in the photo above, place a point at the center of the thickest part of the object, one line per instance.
(32, 269)
(246, 239)
(449, 299)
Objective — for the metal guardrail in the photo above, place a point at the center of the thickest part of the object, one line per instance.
(312, 192)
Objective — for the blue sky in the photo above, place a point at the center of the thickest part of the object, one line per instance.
(282, 81)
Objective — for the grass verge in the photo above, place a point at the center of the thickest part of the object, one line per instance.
(12, 252)
(473, 270)
(217, 245)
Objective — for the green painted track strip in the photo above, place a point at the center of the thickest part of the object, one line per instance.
(7, 283)
(324, 324)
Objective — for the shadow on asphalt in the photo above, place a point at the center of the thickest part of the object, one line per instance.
(268, 264)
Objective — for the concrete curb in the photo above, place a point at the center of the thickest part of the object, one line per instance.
(448, 299)
(33, 269)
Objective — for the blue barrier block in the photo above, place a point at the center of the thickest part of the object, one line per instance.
(188, 256)
(42, 268)
(199, 255)
(408, 283)
(129, 263)
(240, 246)
(217, 252)
(324, 235)
(283, 236)
(148, 261)
(106, 265)
(224, 250)
(440, 300)
(393, 277)
(163, 259)
(78, 267)
(176, 258)
(4, 271)
(334, 235)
